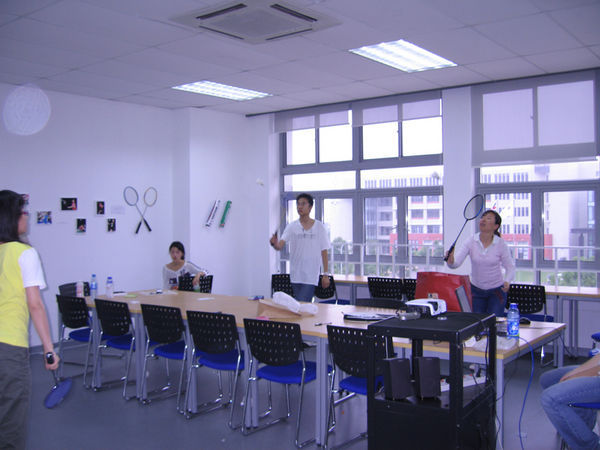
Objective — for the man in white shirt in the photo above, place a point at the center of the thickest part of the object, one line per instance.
(309, 243)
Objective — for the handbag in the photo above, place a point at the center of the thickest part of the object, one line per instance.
(443, 286)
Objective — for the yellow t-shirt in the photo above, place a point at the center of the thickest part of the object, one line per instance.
(14, 313)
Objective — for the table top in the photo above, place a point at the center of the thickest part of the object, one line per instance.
(327, 314)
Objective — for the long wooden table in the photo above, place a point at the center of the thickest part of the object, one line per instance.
(314, 328)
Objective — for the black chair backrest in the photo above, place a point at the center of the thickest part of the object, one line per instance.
(530, 298)
(114, 317)
(280, 282)
(390, 303)
(409, 286)
(349, 348)
(70, 289)
(322, 293)
(164, 324)
(273, 343)
(385, 287)
(74, 311)
(213, 332)
(205, 284)
(185, 283)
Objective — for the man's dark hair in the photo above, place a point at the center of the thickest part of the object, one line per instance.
(11, 208)
(309, 198)
(179, 246)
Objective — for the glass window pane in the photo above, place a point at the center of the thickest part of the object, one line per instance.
(380, 140)
(425, 225)
(569, 226)
(381, 225)
(566, 113)
(402, 177)
(508, 120)
(582, 170)
(335, 143)
(300, 146)
(422, 136)
(337, 215)
(515, 210)
(322, 181)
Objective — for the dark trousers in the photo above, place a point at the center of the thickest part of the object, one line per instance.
(15, 387)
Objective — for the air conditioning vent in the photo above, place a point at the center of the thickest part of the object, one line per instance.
(256, 21)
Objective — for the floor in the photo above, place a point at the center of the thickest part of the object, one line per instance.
(103, 420)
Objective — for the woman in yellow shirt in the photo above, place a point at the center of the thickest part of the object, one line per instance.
(21, 279)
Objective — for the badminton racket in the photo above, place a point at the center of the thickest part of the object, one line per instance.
(60, 389)
(472, 210)
(150, 197)
(132, 198)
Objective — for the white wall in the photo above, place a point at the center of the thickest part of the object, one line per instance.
(91, 149)
(228, 153)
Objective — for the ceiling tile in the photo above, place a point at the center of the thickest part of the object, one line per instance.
(529, 35)
(91, 19)
(18, 66)
(452, 76)
(112, 86)
(44, 55)
(121, 70)
(504, 69)
(579, 58)
(472, 12)
(297, 73)
(583, 23)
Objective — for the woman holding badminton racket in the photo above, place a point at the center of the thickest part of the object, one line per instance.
(21, 278)
(489, 256)
(179, 267)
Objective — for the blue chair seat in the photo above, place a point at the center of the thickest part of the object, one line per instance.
(596, 336)
(589, 405)
(120, 342)
(539, 317)
(290, 374)
(83, 335)
(358, 384)
(221, 361)
(174, 350)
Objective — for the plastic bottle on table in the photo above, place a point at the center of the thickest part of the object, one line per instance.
(110, 288)
(512, 320)
(79, 289)
(93, 287)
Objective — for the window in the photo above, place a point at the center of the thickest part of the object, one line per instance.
(379, 235)
(337, 217)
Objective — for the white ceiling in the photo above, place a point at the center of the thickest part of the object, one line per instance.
(132, 51)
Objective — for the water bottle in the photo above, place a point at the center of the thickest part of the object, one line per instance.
(110, 288)
(79, 289)
(512, 319)
(93, 287)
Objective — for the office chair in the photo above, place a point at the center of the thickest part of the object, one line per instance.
(216, 345)
(164, 329)
(280, 282)
(278, 347)
(74, 314)
(325, 294)
(349, 352)
(409, 286)
(115, 321)
(382, 287)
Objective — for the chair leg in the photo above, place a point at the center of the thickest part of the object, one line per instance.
(180, 387)
(296, 441)
(129, 358)
(87, 359)
(250, 378)
(232, 396)
(144, 378)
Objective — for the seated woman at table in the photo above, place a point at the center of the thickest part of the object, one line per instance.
(573, 384)
(180, 267)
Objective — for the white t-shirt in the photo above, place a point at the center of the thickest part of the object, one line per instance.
(31, 269)
(305, 251)
(171, 277)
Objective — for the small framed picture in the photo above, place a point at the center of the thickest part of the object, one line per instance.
(81, 225)
(111, 225)
(68, 204)
(44, 217)
(100, 208)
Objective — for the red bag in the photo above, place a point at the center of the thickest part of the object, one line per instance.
(444, 285)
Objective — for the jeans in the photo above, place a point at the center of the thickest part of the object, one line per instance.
(303, 292)
(488, 300)
(574, 425)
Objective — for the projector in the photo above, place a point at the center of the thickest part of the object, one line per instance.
(427, 306)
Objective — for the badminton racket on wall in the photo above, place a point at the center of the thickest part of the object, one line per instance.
(150, 197)
(472, 210)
